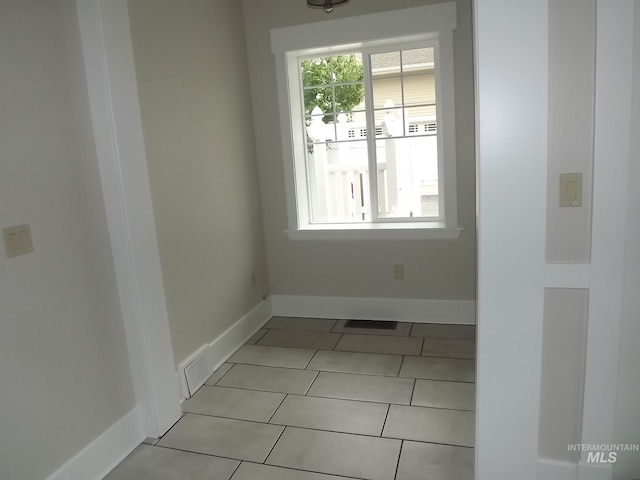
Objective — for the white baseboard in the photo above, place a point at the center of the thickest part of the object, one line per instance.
(549, 469)
(398, 309)
(219, 350)
(102, 455)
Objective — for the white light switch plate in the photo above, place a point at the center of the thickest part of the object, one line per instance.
(17, 240)
(571, 189)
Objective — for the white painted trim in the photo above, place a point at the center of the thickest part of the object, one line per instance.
(398, 309)
(549, 469)
(103, 454)
(593, 471)
(614, 24)
(565, 275)
(219, 350)
(391, 24)
(512, 99)
(377, 231)
(425, 23)
(108, 55)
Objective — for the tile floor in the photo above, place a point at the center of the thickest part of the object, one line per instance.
(309, 399)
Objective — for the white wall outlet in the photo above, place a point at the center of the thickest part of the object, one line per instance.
(17, 240)
(398, 272)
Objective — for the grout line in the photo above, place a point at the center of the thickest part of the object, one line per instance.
(314, 381)
(384, 424)
(268, 422)
(413, 389)
(211, 385)
(398, 461)
(390, 375)
(273, 446)
(339, 340)
(277, 408)
(304, 471)
(297, 469)
(401, 364)
(311, 359)
(236, 469)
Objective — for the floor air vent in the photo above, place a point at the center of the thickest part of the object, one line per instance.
(375, 324)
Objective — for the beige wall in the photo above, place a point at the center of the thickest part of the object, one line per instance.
(64, 370)
(436, 270)
(194, 94)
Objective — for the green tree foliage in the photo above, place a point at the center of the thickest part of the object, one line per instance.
(325, 77)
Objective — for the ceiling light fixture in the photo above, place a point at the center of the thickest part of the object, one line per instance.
(327, 5)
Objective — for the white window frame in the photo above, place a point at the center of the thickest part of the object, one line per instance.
(433, 25)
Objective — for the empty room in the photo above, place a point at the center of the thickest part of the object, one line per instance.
(319, 240)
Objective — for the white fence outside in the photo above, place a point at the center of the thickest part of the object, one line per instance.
(338, 169)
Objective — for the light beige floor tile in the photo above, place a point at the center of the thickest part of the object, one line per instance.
(439, 394)
(256, 336)
(268, 379)
(449, 348)
(299, 323)
(402, 329)
(219, 373)
(234, 403)
(222, 437)
(432, 368)
(300, 339)
(344, 416)
(353, 362)
(357, 456)
(154, 463)
(273, 356)
(434, 330)
(371, 388)
(380, 344)
(420, 461)
(434, 425)
(254, 471)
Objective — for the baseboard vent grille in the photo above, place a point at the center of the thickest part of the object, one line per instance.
(375, 324)
(196, 374)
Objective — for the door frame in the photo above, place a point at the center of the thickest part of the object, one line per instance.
(115, 113)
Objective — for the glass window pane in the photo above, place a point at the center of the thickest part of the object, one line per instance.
(385, 63)
(408, 177)
(418, 76)
(338, 179)
(418, 118)
(419, 89)
(323, 75)
(321, 129)
(390, 123)
(386, 79)
(418, 59)
(349, 98)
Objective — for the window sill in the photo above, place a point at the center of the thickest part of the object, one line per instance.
(376, 231)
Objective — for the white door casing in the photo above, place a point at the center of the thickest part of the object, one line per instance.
(115, 112)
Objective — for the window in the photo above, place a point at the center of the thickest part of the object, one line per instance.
(368, 125)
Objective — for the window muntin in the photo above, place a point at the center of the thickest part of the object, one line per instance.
(399, 86)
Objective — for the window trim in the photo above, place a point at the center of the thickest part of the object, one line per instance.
(366, 32)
